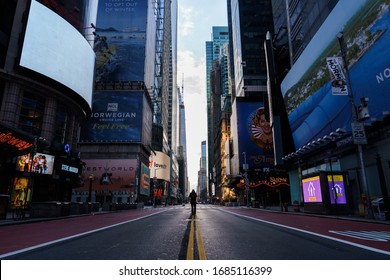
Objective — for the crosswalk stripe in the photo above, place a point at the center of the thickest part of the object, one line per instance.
(383, 236)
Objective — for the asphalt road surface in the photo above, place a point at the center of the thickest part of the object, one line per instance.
(215, 233)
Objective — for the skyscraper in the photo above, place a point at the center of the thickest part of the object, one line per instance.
(214, 50)
(135, 101)
(202, 174)
(182, 148)
(249, 22)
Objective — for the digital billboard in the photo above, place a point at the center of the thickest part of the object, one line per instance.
(336, 189)
(116, 116)
(37, 163)
(314, 110)
(55, 49)
(145, 180)
(120, 47)
(147, 122)
(312, 189)
(161, 166)
(21, 191)
(110, 174)
(255, 135)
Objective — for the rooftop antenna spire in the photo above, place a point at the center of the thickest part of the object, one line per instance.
(182, 84)
(182, 89)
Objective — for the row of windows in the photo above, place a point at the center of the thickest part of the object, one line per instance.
(32, 113)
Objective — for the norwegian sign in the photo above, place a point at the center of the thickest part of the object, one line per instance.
(358, 133)
(339, 81)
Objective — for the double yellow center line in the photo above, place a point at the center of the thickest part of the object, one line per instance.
(191, 242)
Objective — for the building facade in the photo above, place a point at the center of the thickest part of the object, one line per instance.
(251, 170)
(202, 174)
(43, 105)
(214, 51)
(330, 153)
(135, 107)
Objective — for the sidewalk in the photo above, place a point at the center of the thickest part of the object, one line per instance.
(353, 217)
(290, 211)
(10, 220)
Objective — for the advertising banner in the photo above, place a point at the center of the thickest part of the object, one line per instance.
(21, 191)
(307, 89)
(120, 46)
(339, 81)
(145, 180)
(161, 166)
(255, 135)
(37, 163)
(116, 116)
(312, 189)
(110, 174)
(336, 189)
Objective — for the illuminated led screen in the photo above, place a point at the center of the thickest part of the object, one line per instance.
(312, 189)
(55, 49)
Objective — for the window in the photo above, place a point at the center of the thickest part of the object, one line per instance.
(60, 124)
(31, 113)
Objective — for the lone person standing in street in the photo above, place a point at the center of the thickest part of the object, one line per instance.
(193, 202)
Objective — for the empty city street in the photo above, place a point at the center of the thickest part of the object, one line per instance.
(215, 233)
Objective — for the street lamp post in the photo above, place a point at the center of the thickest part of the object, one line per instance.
(90, 188)
(90, 193)
(245, 168)
(340, 37)
(154, 186)
(154, 189)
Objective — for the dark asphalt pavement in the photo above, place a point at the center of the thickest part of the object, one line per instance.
(230, 233)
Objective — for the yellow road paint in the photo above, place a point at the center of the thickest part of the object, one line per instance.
(190, 247)
(191, 242)
(202, 253)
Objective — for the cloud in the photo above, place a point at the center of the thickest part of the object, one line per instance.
(195, 21)
(186, 20)
(194, 70)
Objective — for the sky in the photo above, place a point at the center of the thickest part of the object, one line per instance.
(195, 21)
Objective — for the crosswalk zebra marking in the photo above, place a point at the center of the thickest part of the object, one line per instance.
(383, 236)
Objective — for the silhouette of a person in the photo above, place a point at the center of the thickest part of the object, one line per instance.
(193, 202)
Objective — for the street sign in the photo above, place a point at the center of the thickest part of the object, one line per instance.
(358, 133)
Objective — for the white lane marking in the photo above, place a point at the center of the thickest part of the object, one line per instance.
(313, 233)
(74, 236)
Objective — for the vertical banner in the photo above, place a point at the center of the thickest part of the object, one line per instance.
(337, 189)
(312, 189)
(256, 134)
(339, 81)
(120, 46)
(145, 180)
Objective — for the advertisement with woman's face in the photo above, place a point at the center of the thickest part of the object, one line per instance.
(255, 134)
